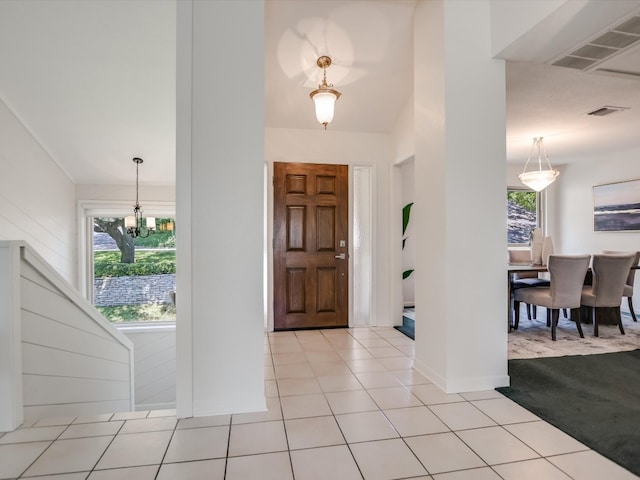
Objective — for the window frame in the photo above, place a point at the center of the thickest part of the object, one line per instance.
(88, 209)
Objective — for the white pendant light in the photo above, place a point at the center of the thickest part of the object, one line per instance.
(325, 96)
(538, 179)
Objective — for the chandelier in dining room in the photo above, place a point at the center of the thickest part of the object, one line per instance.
(538, 179)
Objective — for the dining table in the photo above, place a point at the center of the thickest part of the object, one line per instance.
(513, 268)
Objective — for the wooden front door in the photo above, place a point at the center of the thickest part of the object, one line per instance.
(310, 249)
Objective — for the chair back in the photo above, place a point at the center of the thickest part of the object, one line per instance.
(567, 277)
(610, 273)
(521, 257)
(547, 249)
(632, 273)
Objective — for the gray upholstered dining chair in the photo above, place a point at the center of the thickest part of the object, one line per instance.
(525, 279)
(628, 288)
(567, 277)
(610, 273)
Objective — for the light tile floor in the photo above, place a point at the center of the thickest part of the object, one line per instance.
(342, 404)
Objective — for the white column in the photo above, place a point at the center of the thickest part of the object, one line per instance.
(11, 402)
(219, 189)
(460, 200)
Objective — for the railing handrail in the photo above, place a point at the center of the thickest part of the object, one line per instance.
(29, 255)
(19, 253)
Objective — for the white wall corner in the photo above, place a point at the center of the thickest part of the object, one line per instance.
(184, 328)
(11, 391)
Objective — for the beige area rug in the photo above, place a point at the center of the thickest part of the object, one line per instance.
(533, 338)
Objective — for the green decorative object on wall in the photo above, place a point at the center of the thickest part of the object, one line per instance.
(406, 214)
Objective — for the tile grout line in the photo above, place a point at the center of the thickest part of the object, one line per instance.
(48, 447)
(386, 418)
(284, 424)
(107, 448)
(164, 455)
(226, 458)
(340, 428)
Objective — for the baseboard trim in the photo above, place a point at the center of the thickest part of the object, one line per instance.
(461, 385)
(155, 406)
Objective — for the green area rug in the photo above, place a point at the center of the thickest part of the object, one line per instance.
(593, 398)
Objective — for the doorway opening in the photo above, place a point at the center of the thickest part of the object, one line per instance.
(359, 248)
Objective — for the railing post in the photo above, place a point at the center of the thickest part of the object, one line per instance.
(11, 401)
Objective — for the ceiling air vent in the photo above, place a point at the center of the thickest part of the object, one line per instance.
(606, 110)
(618, 38)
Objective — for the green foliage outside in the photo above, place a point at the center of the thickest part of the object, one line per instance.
(155, 262)
(406, 273)
(406, 215)
(159, 259)
(523, 198)
(157, 240)
(150, 312)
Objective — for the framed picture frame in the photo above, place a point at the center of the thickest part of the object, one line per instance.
(616, 207)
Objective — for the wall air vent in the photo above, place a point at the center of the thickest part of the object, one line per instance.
(606, 110)
(618, 38)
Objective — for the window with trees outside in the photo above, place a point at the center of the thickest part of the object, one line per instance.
(134, 279)
(523, 215)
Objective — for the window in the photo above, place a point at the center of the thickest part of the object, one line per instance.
(133, 279)
(523, 215)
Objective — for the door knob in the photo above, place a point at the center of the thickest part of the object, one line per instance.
(342, 256)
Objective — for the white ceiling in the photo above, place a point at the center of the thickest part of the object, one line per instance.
(553, 102)
(94, 80)
(370, 44)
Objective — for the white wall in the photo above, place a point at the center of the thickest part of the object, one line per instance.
(36, 197)
(220, 178)
(574, 202)
(403, 136)
(375, 150)
(11, 397)
(460, 167)
(513, 171)
(154, 364)
(126, 193)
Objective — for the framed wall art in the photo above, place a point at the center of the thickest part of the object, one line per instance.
(616, 206)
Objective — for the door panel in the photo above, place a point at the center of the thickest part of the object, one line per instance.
(327, 286)
(296, 226)
(326, 224)
(310, 234)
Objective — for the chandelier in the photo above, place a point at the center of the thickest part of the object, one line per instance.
(538, 179)
(134, 223)
(325, 96)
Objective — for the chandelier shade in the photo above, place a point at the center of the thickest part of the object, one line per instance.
(538, 179)
(325, 96)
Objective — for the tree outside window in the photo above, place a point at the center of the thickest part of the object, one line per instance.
(522, 215)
